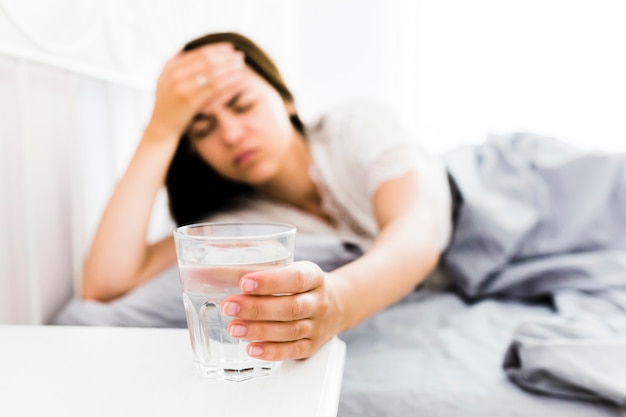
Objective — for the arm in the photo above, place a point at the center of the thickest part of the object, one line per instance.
(402, 256)
(323, 305)
(120, 257)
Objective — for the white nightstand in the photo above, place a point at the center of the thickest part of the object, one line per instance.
(108, 371)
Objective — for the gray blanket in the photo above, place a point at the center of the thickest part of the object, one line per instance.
(580, 354)
(435, 354)
(539, 218)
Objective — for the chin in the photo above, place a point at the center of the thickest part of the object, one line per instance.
(257, 177)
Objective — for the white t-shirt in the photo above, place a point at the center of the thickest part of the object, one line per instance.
(355, 149)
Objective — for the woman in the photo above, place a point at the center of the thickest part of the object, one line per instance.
(224, 124)
(224, 132)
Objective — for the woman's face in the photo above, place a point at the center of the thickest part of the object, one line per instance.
(248, 134)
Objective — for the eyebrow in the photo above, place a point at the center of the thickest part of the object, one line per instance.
(202, 116)
(230, 103)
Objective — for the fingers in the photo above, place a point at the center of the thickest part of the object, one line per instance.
(221, 87)
(299, 349)
(206, 72)
(206, 58)
(191, 80)
(274, 308)
(277, 341)
(298, 277)
(292, 323)
(271, 331)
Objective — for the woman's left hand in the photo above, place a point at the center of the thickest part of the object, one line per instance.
(288, 312)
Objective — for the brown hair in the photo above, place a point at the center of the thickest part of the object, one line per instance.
(195, 190)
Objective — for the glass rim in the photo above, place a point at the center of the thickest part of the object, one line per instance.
(289, 230)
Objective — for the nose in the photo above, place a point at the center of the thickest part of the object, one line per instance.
(231, 130)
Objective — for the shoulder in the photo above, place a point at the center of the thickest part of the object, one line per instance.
(358, 124)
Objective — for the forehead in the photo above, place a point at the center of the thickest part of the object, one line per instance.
(251, 77)
(251, 82)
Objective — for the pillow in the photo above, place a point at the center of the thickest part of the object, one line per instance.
(158, 302)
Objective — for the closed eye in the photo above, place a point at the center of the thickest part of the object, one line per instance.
(240, 102)
(243, 107)
(201, 126)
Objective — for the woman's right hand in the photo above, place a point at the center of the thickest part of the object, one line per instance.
(190, 81)
(120, 258)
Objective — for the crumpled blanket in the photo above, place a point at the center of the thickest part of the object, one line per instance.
(579, 354)
(436, 354)
(541, 219)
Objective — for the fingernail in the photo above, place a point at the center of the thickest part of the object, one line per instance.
(254, 350)
(248, 285)
(238, 330)
(230, 308)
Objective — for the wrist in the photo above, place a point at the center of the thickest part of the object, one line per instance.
(343, 314)
(153, 155)
(161, 133)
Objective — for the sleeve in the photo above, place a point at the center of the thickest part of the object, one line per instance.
(376, 148)
(368, 146)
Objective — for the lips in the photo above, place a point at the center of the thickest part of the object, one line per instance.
(244, 157)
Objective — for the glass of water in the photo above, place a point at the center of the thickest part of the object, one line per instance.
(212, 257)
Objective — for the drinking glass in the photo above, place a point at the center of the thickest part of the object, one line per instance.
(212, 257)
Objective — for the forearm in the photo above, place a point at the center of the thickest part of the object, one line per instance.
(399, 260)
(120, 252)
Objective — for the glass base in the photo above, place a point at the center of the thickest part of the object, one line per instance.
(238, 373)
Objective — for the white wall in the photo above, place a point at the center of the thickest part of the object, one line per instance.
(552, 66)
(76, 81)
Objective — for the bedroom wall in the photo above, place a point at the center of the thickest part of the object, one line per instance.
(76, 83)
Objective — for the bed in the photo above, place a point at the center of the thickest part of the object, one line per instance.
(525, 317)
(435, 353)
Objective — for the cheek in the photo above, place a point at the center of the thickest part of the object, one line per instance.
(278, 113)
(210, 154)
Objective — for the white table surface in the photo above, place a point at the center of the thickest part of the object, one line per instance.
(107, 371)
